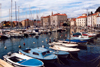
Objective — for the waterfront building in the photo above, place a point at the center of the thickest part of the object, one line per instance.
(26, 23)
(37, 23)
(58, 19)
(54, 20)
(98, 20)
(45, 21)
(81, 20)
(93, 20)
(73, 22)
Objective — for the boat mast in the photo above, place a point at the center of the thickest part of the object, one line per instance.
(36, 17)
(26, 20)
(18, 16)
(0, 11)
(11, 13)
(15, 12)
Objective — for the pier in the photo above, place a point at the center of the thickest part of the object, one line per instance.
(4, 64)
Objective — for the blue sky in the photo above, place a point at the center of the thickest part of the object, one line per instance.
(31, 8)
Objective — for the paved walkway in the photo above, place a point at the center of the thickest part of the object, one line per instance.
(4, 64)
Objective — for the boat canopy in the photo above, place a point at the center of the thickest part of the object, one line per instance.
(76, 34)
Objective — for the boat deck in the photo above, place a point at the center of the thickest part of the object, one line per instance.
(4, 64)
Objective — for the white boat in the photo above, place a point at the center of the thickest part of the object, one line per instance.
(62, 48)
(15, 33)
(63, 44)
(4, 35)
(82, 38)
(70, 42)
(18, 60)
(89, 34)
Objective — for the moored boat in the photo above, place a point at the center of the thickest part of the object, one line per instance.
(39, 53)
(18, 60)
(59, 53)
(62, 48)
(63, 44)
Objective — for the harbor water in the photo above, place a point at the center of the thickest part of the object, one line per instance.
(89, 55)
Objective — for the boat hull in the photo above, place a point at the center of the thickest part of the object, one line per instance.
(16, 65)
(3, 37)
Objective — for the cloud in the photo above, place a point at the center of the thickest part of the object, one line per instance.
(73, 8)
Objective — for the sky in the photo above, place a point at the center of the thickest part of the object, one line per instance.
(33, 8)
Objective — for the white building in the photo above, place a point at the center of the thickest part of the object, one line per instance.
(73, 22)
(90, 21)
(98, 21)
(81, 20)
(93, 20)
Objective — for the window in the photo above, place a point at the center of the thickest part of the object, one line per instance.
(35, 53)
(48, 51)
(44, 53)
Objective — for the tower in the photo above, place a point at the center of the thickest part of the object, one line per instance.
(52, 13)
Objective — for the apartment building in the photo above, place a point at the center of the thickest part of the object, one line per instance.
(81, 20)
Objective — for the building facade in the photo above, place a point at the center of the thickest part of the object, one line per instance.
(54, 20)
(81, 20)
(45, 21)
(27, 22)
(58, 19)
(98, 21)
(73, 22)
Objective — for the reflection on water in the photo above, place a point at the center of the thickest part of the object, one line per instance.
(81, 59)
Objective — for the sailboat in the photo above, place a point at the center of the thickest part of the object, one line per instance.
(16, 33)
(3, 34)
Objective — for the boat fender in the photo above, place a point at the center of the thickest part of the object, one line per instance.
(19, 46)
(24, 44)
(46, 40)
(33, 42)
(5, 47)
(42, 41)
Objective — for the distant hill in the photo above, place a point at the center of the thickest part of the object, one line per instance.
(97, 10)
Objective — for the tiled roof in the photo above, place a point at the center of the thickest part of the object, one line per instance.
(26, 20)
(73, 19)
(15, 21)
(95, 14)
(37, 21)
(45, 17)
(59, 14)
(81, 17)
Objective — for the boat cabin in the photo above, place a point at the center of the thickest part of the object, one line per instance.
(37, 52)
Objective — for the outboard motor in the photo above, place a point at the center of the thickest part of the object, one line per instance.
(9, 53)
